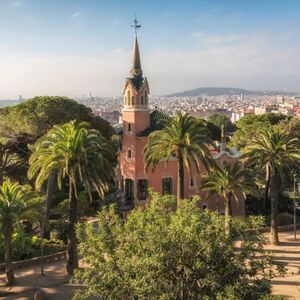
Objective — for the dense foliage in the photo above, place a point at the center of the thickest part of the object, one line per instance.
(28, 246)
(275, 150)
(80, 155)
(37, 115)
(23, 124)
(20, 127)
(250, 125)
(17, 203)
(159, 253)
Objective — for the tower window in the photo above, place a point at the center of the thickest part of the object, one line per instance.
(129, 153)
(128, 98)
(129, 127)
(142, 186)
(167, 185)
(132, 100)
(146, 98)
(142, 100)
(192, 181)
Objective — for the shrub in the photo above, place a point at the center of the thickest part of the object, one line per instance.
(29, 246)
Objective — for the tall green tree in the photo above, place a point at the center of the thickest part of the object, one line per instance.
(228, 181)
(17, 203)
(275, 150)
(79, 154)
(183, 137)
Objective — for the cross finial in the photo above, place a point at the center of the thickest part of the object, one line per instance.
(136, 25)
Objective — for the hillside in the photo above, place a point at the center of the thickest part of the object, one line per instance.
(217, 91)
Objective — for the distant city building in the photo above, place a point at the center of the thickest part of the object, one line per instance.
(113, 117)
(235, 116)
(266, 109)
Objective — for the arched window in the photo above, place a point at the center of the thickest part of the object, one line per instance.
(146, 98)
(128, 98)
(125, 100)
(142, 100)
(132, 100)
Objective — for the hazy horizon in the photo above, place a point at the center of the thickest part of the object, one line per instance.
(73, 48)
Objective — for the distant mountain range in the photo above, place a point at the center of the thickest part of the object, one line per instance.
(218, 91)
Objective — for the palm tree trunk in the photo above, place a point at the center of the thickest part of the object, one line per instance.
(227, 214)
(274, 239)
(180, 180)
(72, 259)
(49, 193)
(10, 277)
(267, 187)
(1, 163)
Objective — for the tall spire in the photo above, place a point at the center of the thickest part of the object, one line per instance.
(136, 65)
(136, 89)
(136, 73)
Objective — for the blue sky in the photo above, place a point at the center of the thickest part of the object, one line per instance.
(76, 47)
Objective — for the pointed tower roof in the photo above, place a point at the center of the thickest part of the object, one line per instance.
(136, 65)
(136, 73)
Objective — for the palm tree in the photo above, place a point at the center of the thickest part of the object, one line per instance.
(275, 150)
(227, 181)
(81, 155)
(17, 203)
(184, 137)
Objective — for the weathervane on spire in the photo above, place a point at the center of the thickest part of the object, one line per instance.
(136, 25)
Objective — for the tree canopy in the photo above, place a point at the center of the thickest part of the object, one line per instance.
(276, 150)
(23, 124)
(250, 125)
(79, 154)
(162, 253)
(37, 115)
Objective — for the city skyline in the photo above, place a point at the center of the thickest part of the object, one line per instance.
(76, 47)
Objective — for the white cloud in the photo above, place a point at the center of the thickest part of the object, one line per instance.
(75, 15)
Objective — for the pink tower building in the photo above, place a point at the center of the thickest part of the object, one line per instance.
(138, 122)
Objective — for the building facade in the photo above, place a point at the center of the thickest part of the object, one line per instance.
(138, 122)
